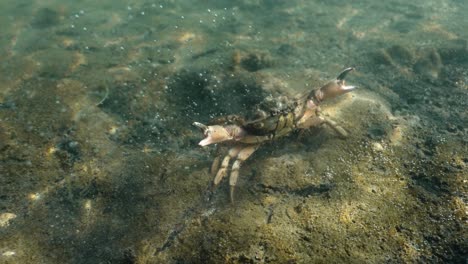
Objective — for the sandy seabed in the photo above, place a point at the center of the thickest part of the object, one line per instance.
(99, 162)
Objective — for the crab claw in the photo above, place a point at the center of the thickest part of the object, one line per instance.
(201, 126)
(335, 87)
(341, 80)
(213, 134)
(343, 74)
(216, 133)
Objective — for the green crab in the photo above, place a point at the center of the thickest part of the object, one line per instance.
(273, 119)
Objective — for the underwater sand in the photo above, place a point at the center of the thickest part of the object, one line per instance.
(99, 162)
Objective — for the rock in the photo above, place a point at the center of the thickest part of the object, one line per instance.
(429, 65)
(400, 55)
(45, 17)
(252, 61)
(376, 146)
(5, 219)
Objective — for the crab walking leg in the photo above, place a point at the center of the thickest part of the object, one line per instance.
(338, 129)
(215, 165)
(319, 120)
(216, 162)
(224, 165)
(243, 155)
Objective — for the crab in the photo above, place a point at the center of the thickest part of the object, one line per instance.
(272, 119)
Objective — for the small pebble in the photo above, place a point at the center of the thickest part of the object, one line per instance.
(5, 219)
(8, 253)
(376, 146)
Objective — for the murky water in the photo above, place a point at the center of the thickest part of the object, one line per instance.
(99, 161)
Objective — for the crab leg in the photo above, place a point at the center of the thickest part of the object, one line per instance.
(338, 129)
(215, 165)
(319, 120)
(233, 152)
(217, 161)
(242, 156)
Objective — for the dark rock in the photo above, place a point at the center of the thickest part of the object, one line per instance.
(45, 17)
